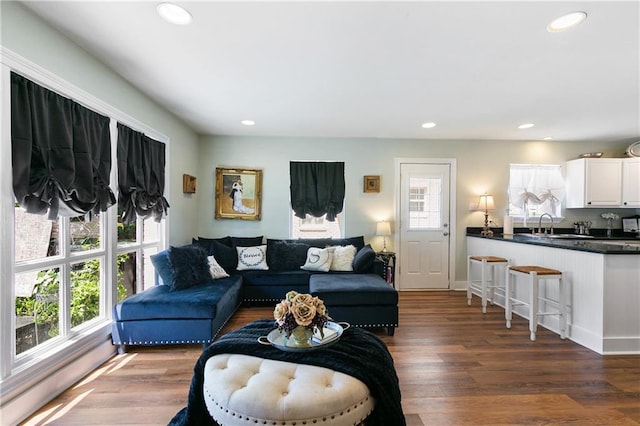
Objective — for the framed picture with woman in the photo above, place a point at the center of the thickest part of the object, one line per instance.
(238, 193)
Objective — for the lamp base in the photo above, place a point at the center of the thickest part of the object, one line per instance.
(486, 232)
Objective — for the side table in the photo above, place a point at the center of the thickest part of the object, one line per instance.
(389, 260)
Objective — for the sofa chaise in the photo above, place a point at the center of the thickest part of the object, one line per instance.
(200, 286)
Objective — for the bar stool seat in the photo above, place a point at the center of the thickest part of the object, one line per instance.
(488, 281)
(534, 275)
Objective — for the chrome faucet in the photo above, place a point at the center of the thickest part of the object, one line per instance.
(540, 223)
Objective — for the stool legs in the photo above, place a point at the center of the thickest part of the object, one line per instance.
(488, 268)
(534, 299)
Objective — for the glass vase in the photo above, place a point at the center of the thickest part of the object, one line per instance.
(301, 337)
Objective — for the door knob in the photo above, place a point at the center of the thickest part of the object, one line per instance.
(445, 233)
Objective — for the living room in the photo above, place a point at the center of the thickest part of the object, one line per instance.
(36, 48)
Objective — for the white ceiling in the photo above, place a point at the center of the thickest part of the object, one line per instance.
(375, 69)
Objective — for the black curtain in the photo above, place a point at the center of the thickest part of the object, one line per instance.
(61, 153)
(141, 162)
(317, 188)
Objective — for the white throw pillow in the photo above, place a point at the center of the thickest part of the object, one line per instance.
(252, 258)
(317, 260)
(216, 270)
(343, 258)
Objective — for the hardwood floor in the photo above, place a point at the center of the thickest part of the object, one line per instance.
(456, 367)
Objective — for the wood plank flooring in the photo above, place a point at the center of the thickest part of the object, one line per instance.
(456, 367)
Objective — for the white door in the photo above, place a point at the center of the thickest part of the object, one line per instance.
(424, 226)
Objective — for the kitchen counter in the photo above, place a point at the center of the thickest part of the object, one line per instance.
(603, 277)
(616, 245)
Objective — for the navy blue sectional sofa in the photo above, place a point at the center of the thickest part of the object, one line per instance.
(188, 306)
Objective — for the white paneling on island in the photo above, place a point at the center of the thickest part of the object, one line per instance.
(603, 286)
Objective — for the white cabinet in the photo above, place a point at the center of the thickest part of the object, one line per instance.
(594, 182)
(631, 182)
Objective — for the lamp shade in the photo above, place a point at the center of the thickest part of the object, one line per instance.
(383, 228)
(486, 203)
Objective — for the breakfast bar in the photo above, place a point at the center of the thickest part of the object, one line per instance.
(603, 277)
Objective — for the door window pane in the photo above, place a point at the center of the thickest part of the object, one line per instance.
(85, 233)
(36, 310)
(425, 202)
(85, 291)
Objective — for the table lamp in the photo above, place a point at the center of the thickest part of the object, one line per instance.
(383, 229)
(485, 204)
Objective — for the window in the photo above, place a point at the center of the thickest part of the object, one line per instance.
(64, 275)
(425, 202)
(316, 227)
(535, 189)
(317, 195)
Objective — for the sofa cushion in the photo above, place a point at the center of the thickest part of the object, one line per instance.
(363, 261)
(342, 258)
(252, 258)
(246, 241)
(160, 302)
(318, 260)
(190, 266)
(286, 255)
(206, 242)
(271, 279)
(352, 289)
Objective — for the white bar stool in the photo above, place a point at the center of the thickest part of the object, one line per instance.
(534, 275)
(488, 278)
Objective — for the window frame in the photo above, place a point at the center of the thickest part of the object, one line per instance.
(18, 373)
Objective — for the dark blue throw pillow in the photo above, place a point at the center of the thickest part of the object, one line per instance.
(190, 266)
(226, 256)
(363, 261)
(286, 255)
(246, 241)
(163, 267)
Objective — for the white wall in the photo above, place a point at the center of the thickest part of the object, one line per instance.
(482, 166)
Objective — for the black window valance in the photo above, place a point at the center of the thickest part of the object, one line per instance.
(141, 163)
(61, 153)
(317, 188)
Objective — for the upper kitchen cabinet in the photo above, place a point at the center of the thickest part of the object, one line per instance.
(631, 182)
(595, 182)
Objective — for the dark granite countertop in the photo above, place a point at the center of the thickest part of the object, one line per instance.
(596, 244)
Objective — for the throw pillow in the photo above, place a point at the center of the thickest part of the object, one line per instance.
(190, 266)
(318, 260)
(343, 258)
(252, 258)
(285, 255)
(363, 261)
(226, 256)
(163, 267)
(216, 270)
(206, 243)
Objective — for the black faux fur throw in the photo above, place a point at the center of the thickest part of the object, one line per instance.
(359, 354)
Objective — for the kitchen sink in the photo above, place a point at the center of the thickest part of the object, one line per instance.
(556, 236)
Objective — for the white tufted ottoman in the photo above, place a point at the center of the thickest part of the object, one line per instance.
(246, 390)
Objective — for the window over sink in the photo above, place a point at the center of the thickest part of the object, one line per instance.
(535, 189)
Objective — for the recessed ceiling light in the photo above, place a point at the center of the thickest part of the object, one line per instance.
(526, 126)
(173, 13)
(548, 138)
(567, 21)
(248, 122)
(428, 125)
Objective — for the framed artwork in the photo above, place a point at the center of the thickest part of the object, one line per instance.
(238, 193)
(188, 184)
(372, 183)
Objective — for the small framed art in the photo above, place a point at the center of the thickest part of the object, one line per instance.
(372, 183)
(238, 193)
